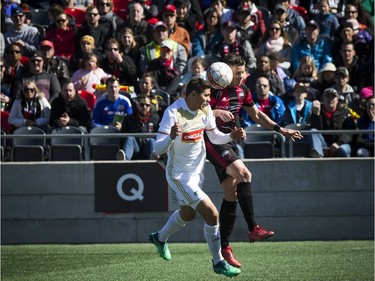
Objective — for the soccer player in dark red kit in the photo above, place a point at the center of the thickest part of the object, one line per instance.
(233, 175)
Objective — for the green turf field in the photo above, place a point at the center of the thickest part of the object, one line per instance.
(263, 261)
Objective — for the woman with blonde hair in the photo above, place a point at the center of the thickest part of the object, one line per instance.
(31, 108)
(128, 45)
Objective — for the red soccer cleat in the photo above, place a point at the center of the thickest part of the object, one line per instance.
(228, 256)
(259, 233)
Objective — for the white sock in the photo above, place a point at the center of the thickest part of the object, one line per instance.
(174, 224)
(212, 235)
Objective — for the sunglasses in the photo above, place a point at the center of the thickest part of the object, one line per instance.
(275, 28)
(352, 12)
(36, 61)
(144, 104)
(112, 49)
(15, 51)
(29, 90)
(169, 15)
(17, 16)
(92, 14)
(61, 21)
(105, 4)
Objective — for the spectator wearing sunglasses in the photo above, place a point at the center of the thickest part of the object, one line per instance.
(31, 108)
(92, 27)
(119, 65)
(143, 120)
(107, 16)
(62, 37)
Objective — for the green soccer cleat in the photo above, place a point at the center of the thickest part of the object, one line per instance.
(161, 247)
(226, 269)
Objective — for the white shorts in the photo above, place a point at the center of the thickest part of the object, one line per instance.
(188, 190)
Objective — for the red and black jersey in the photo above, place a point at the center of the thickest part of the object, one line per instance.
(230, 99)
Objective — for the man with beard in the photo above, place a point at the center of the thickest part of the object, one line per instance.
(69, 109)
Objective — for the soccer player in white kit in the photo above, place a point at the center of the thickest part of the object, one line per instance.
(181, 136)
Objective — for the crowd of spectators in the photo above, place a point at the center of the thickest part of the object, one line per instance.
(307, 62)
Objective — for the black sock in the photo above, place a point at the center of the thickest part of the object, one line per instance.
(245, 198)
(227, 218)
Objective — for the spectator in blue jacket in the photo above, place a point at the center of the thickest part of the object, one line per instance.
(313, 45)
(299, 109)
(266, 101)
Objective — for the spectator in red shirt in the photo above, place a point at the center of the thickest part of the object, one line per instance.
(62, 37)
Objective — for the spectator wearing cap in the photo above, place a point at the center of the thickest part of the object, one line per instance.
(328, 22)
(25, 35)
(99, 32)
(327, 115)
(107, 16)
(136, 21)
(63, 37)
(86, 46)
(326, 78)
(256, 15)
(312, 45)
(225, 13)
(299, 109)
(189, 15)
(163, 68)
(359, 74)
(293, 17)
(349, 32)
(230, 44)
(55, 65)
(250, 27)
(280, 13)
(47, 83)
(204, 40)
(152, 50)
(347, 97)
(176, 33)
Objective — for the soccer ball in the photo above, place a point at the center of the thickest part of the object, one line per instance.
(220, 75)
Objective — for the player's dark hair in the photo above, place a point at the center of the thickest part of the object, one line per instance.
(234, 59)
(197, 85)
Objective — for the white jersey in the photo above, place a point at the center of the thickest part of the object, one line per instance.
(187, 153)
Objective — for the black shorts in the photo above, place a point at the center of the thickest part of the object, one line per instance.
(221, 156)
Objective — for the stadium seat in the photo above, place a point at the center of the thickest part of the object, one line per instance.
(266, 14)
(106, 147)
(258, 145)
(121, 4)
(121, 13)
(78, 14)
(301, 10)
(28, 149)
(89, 97)
(40, 17)
(64, 148)
(298, 148)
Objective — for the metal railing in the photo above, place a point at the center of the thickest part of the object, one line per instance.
(279, 136)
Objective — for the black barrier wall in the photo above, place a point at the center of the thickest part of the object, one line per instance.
(108, 202)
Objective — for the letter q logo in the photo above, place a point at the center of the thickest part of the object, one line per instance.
(136, 193)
